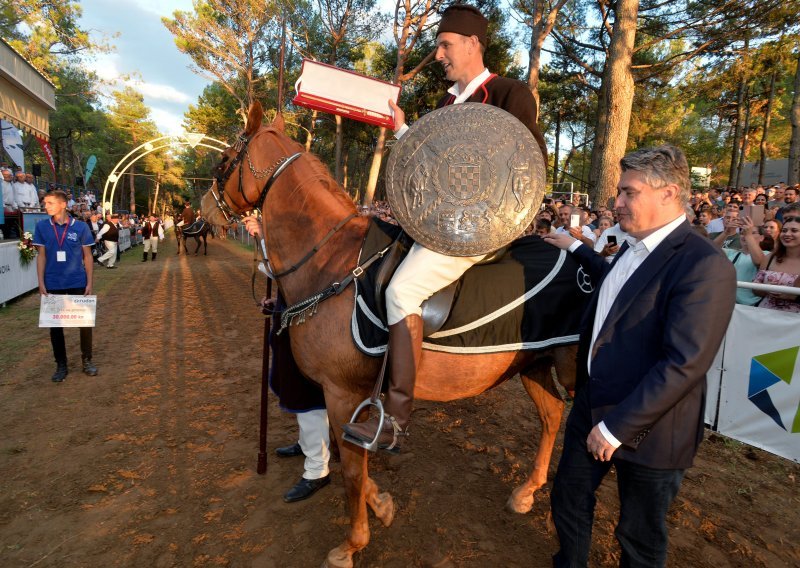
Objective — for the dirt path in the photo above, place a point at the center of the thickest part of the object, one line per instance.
(151, 463)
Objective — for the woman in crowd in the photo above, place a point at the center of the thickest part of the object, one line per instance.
(772, 228)
(782, 268)
(603, 224)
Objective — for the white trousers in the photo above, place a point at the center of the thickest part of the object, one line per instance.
(151, 244)
(111, 253)
(421, 274)
(315, 442)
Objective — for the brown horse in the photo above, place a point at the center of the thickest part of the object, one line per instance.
(182, 238)
(300, 206)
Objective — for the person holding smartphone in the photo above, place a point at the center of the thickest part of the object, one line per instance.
(571, 219)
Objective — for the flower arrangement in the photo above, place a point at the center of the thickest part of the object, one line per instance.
(27, 252)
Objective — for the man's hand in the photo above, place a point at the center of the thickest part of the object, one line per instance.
(598, 446)
(560, 240)
(398, 114)
(88, 290)
(576, 232)
(253, 225)
(42, 290)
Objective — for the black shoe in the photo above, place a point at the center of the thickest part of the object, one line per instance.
(88, 367)
(305, 488)
(289, 451)
(61, 372)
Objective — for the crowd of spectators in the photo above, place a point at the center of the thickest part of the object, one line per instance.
(757, 227)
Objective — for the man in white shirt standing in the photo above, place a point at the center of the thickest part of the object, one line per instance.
(9, 197)
(580, 230)
(26, 195)
(642, 362)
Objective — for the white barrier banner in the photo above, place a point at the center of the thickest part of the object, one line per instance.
(15, 278)
(61, 310)
(124, 239)
(759, 402)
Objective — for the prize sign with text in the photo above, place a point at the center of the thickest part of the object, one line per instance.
(58, 310)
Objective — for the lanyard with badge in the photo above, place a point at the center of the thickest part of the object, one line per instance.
(61, 255)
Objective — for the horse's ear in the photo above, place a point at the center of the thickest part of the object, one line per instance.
(278, 124)
(254, 117)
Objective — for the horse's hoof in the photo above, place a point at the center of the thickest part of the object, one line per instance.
(339, 557)
(519, 502)
(384, 508)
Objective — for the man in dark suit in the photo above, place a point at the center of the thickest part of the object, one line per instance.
(656, 321)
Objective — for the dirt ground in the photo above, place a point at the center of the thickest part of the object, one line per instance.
(152, 462)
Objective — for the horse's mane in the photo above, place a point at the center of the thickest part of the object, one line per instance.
(317, 168)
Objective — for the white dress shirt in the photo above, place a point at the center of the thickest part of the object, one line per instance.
(627, 264)
(9, 196)
(461, 96)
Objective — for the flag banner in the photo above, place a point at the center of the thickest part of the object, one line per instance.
(12, 143)
(48, 153)
(90, 164)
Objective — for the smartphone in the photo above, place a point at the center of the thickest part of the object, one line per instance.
(755, 212)
(612, 240)
(575, 220)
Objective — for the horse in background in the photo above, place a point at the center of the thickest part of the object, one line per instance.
(197, 230)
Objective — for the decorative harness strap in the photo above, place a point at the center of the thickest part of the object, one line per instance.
(297, 312)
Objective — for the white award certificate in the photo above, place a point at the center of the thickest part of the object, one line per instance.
(56, 310)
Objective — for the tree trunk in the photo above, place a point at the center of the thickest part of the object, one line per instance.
(745, 138)
(557, 148)
(155, 197)
(764, 135)
(737, 131)
(793, 175)
(600, 130)
(618, 83)
(567, 160)
(310, 131)
(374, 169)
(337, 156)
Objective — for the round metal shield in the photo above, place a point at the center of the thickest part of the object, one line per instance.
(466, 179)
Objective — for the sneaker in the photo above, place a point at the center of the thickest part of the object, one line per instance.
(110, 266)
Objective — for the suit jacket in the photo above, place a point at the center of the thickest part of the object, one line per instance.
(659, 339)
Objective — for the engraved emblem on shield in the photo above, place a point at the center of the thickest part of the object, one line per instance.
(465, 179)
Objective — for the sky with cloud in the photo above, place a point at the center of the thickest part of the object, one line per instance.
(144, 51)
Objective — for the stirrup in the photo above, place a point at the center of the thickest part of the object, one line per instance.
(373, 445)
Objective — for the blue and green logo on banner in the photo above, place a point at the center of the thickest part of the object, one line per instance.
(766, 371)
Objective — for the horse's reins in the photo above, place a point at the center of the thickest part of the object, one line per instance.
(309, 305)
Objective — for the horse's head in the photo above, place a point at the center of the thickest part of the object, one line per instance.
(240, 185)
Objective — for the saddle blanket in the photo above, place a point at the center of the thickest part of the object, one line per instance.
(532, 298)
(194, 229)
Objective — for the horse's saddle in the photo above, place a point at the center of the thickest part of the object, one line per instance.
(194, 229)
(490, 306)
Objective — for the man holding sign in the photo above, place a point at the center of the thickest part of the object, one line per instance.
(64, 266)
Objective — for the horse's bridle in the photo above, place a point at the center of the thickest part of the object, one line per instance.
(221, 178)
(276, 169)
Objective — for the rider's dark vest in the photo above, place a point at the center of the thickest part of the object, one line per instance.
(112, 234)
(147, 233)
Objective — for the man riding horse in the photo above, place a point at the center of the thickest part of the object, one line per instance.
(460, 44)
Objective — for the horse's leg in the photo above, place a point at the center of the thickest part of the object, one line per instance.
(197, 245)
(205, 244)
(356, 481)
(381, 504)
(538, 381)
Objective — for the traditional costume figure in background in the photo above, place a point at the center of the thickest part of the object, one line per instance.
(109, 233)
(187, 216)
(152, 232)
(460, 43)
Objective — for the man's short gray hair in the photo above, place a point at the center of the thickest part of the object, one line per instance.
(661, 166)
